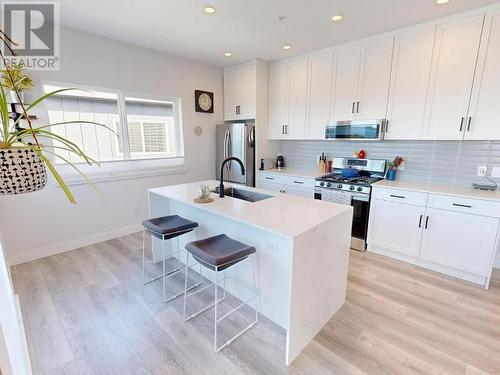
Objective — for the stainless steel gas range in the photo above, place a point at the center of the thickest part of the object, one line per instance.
(355, 191)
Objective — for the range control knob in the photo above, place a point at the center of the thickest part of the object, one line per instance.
(322, 184)
(328, 185)
(340, 186)
(351, 187)
(360, 188)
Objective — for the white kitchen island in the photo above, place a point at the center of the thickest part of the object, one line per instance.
(302, 251)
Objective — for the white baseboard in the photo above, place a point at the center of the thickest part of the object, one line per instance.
(62, 247)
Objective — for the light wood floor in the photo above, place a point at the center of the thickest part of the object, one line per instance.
(86, 312)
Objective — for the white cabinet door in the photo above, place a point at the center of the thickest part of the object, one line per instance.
(396, 227)
(411, 69)
(461, 241)
(240, 92)
(345, 82)
(452, 74)
(374, 81)
(484, 114)
(270, 186)
(278, 100)
(230, 94)
(319, 94)
(308, 193)
(297, 91)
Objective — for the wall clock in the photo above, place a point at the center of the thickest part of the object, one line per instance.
(204, 101)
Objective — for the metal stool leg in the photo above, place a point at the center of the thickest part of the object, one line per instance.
(144, 256)
(215, 310)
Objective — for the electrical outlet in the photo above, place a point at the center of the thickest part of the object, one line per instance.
(481, 171)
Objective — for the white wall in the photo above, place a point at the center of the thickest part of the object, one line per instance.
(42, 223)
(14, 357)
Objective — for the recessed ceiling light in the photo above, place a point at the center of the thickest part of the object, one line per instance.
(287, 46)
(439, 2)
(209, 9)
(337, 18)
(228, 54)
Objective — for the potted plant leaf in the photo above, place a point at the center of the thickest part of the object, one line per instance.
(23, 150)
(16, 82)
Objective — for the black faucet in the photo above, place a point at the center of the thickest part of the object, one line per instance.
(221, 185)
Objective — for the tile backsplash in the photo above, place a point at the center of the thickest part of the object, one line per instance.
(440, 162)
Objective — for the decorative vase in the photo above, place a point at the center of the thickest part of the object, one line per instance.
(21, 171)
(391, 175)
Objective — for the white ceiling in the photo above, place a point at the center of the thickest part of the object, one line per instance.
(248, 28)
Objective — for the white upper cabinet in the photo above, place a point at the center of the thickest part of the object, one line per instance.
(345, 83)
(437, 81)
(320, 67)
(278, 100)
(374, 81)
(287, 99)
(452, 76)
(297, 91)
(240, 92)
(411, 69)
(361, 80)
(484, 114)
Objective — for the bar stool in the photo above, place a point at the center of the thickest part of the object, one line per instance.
(166, 228)
(219, 253)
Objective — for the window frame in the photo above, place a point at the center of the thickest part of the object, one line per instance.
(127, 168)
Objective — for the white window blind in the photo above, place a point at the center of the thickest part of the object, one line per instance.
(145, 128)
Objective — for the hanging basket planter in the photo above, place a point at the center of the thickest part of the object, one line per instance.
(21, 171)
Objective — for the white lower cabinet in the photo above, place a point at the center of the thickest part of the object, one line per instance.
(286, 184)
(462, 241)
(396, 227)
(452, 235)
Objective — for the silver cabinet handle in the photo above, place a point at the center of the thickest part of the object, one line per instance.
(269, 178)
(357, 107)
(353, 105)
(426, 222)
(398, 196)
(298, 182)
(468, 125)
(462, 124)
(420, 221)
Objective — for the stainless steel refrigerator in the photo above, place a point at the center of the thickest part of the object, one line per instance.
(236, 139)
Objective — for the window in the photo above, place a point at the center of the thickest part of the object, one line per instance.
(145, 128)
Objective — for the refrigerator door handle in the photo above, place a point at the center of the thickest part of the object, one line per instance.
(251, 138)
(229, 151)
(226, 137)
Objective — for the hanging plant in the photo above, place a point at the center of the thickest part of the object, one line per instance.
(23, 163)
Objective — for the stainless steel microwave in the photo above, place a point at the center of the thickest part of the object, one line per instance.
(356, 130)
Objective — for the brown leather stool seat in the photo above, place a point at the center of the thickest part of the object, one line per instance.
(167, 227)
(219, 252)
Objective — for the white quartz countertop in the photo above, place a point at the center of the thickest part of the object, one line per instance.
(282, 214)
(294, 172)
(455, 191)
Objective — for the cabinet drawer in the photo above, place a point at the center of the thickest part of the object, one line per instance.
(300, 182)
(271, 177)
(401, 196)
(465, 205)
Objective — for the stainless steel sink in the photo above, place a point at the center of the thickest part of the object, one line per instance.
(246, 195)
